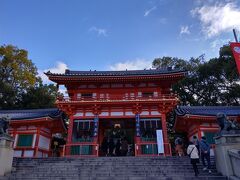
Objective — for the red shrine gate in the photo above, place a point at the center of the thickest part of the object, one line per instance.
(135, 103)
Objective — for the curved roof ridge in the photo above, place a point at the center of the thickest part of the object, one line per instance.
(118, 73)
(208, 110)
(28, 110)
(31, 113)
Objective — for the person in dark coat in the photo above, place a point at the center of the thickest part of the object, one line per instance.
(124, 147)
(117, 148)
(111, 146)
(205, 154)
(104, 146)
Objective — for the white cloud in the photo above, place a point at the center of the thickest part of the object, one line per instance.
(184, 30)
(62, 89)
(59, 68)
(218, 18)
(148, 11)
(163, 20)
(217, 43)
(99, 31)
(137, 64)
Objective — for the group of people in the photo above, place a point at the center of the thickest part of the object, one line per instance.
(199, 149)
(196, 150)
(114, 146)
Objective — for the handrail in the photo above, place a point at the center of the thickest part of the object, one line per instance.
(94, 153)
(123, 98)
(82, 143)
(167, 151)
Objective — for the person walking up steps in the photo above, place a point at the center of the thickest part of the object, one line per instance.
(205, 154)
(192, 151)
(196, 143)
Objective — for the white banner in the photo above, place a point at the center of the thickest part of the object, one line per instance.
(160, 141)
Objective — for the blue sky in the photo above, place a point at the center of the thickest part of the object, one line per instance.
(116, 34)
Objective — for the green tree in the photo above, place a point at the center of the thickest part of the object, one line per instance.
(208, 83)
(17, 73)
(20, 87)
(40, 96)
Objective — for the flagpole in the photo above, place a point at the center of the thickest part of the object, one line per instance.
(235, 35)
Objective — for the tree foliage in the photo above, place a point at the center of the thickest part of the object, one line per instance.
(19, 85)
(208, 83)
(40, 96)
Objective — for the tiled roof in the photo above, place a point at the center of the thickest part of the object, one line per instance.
(120, 73)
(208, 110)
(30, 114)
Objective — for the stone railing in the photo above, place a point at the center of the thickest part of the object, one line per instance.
(234, 155)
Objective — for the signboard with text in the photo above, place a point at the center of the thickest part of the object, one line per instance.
(160, 144)
(236, 53)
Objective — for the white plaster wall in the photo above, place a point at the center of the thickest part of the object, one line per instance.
(89, 114)
(43, 142)
(79, 114)
(104, 114)
(116, 113)
(155, 113)
(17, 153)
(129, 113)
(28, 153)
(145, 113)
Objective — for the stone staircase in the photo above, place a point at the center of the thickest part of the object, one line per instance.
(107, 168)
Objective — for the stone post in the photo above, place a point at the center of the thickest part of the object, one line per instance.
(6, 154)
(225, 143)
(235, 160)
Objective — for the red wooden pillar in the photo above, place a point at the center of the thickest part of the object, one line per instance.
(70, 130)
(199, 132)
(167, 147)
(69, 137)
(36, 142)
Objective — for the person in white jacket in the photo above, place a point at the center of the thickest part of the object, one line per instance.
(192, 151)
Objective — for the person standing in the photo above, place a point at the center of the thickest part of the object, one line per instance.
(117, 148)
(205, 154)
(179, 146)
(124, 147)
(111, 147)
(104, 146)
(196, 143)
(192, 151)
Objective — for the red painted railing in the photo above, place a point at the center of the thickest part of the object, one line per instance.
(119, 98)
(81, 149)
(153, 149)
